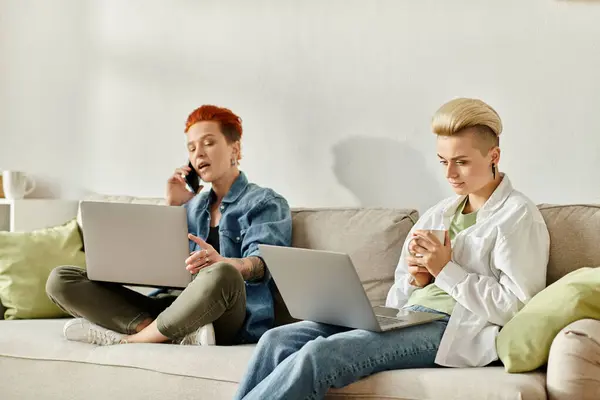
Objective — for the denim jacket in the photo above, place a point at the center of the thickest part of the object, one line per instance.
(250, 215)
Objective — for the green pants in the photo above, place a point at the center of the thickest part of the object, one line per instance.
(217, 295)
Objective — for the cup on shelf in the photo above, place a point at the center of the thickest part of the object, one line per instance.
(17, 184)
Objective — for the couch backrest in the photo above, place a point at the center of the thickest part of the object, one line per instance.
(574, 238)
(372, 237)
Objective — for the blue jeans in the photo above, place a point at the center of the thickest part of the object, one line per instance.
(305, 359)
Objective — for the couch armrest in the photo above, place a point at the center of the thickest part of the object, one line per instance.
(574, 362)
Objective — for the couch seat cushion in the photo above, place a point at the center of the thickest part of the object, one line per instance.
(43, 340)
(490, 383)
(37, 341)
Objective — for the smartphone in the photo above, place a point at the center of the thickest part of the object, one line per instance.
(192, 179)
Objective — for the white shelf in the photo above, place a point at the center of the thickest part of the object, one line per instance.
(31, 214)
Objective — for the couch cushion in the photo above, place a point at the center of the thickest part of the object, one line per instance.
(26, 260)
(574, 235)
(574, 364)
(489, 383)
(67, 380)
(574, 238)
(524, 342)
(372, 237)
(43, 339)
(36, 349)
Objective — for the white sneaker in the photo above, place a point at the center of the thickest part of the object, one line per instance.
(203, 336)
(82, 330)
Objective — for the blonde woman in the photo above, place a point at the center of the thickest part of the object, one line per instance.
(492, 261)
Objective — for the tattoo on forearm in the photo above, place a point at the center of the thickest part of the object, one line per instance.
(239, 264)
(251, 268)
(257, 268)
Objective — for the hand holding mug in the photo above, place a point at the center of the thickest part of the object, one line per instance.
(431, 250)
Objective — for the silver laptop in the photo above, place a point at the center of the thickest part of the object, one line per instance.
(323, 286)
(136, 244)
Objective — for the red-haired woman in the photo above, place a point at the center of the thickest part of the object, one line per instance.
(230, 300)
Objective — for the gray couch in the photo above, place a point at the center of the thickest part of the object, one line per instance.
(37, 363)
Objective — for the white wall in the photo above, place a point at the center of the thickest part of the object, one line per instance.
(336, 96)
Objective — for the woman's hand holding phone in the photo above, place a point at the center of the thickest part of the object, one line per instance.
(177, 191)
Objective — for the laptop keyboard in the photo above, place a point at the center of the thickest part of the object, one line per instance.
(386, 321)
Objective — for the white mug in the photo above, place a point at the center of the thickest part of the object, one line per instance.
(17, 184)
(439, 233)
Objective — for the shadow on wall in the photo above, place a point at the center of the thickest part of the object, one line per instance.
(383, 172)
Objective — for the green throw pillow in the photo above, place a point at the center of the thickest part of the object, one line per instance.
(524, 342)
(26, 259)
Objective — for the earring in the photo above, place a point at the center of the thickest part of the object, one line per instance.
(232, 162)
(494, 170)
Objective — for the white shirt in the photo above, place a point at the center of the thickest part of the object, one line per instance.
(497, 266)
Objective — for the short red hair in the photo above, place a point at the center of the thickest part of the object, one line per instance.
(231, 124)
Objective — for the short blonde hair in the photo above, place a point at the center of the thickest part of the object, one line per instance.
(460, 114)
